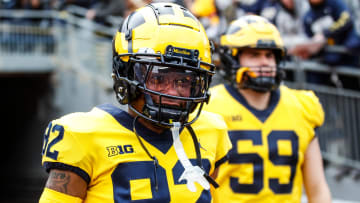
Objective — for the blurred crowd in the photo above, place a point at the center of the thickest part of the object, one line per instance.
(326, 31)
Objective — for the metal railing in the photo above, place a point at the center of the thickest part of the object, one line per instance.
(340, 135)
(28, 39)
(79, 53)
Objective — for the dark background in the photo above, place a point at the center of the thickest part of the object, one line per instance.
(25, 114)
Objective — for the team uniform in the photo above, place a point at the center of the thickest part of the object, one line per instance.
(101, 147)
(268, 146)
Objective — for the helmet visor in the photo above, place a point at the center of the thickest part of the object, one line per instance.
(170, 81)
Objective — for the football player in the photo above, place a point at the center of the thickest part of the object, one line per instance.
(271, 127)
(155, 151)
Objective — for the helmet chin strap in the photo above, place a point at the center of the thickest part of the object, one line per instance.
(191, 173)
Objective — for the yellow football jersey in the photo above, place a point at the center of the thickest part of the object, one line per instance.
(102, 148)
(268, 146)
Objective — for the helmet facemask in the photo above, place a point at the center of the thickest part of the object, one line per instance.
(154, 75)
(263, 79)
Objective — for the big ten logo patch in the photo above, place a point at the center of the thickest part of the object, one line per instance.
(120, 149)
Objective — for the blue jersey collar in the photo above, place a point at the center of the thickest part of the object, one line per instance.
(262, 115)
(162, 141)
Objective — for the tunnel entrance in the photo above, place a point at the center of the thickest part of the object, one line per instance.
(25, 111)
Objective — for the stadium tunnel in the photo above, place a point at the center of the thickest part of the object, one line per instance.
(26, 108)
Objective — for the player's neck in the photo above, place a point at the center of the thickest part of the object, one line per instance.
(258, 100)
(148, 124)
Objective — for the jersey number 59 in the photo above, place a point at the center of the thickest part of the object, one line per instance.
(258, 161)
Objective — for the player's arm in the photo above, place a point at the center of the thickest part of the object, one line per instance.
(64, 186)
(316, 187)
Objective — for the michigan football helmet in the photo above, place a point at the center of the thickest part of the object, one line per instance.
(162, 43)
(256, 32)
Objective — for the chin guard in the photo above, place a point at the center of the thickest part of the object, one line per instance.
(247, 79)
(240, 74)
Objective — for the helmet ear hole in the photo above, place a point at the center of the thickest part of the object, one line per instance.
(121, 87)
(121, 91)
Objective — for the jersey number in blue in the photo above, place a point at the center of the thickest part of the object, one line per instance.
(47, 146)
(125, 172)
(258, 162)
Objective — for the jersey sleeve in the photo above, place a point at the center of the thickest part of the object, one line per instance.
(217, 120)
(63, 150)
(212, 129)
(224, 146)
(312, 109)
(223, 143)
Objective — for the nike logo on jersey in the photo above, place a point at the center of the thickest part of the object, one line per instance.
(120, 149)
